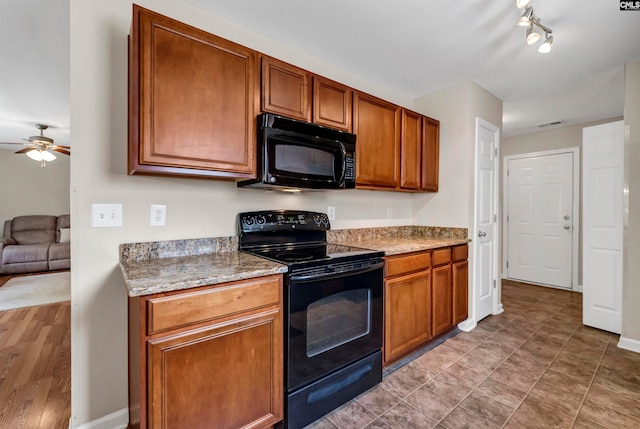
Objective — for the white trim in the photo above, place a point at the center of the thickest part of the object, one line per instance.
(116, 420)
(499, 310)
(575, 151)
(467, 325)
(629, 344)
(496, 230)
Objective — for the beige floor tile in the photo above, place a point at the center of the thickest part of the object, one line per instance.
(351, 416)
(377, 400)
(461, 418)
(402, 416)
(322, 423)
(550, 414)
(502, 393)
(399, 384)
(515, 379)
(430, 403)
(487, 407)
(607, 417)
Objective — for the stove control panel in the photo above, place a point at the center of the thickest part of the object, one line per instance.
(282, 220)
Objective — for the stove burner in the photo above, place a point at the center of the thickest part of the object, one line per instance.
(294, 256)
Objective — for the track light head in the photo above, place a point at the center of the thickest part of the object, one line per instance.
(532, 36)
(520, 4)
(545, 48)
(525, 19)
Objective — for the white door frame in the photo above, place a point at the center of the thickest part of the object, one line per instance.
(474, 288)
(575, 210)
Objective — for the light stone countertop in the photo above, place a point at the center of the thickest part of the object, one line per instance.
(155, 267)
(398, 245)
(149, 276)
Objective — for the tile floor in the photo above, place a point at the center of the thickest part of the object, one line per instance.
(533, 366)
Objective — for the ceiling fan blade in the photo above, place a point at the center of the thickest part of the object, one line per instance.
(25, 150)
(59, 149)
(63, 147)
(21, 144)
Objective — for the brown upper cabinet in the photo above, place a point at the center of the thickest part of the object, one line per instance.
(410, 150)
(430, 154)
(286, 90)
(377, 124)
(192, 101)
(332, 103)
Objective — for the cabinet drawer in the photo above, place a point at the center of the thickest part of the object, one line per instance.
(397, 265)
(460, 253)
(189, 308)
(441, 256)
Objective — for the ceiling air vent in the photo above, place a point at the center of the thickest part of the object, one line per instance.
(549, 124)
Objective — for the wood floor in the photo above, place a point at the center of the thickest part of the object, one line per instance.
(35, 366)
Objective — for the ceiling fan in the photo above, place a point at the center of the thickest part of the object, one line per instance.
(40, 148)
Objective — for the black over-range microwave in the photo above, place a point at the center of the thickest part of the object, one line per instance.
(294, 155)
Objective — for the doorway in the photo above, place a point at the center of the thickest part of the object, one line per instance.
(541, 218)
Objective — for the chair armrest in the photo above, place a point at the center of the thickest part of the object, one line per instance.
(7, 241)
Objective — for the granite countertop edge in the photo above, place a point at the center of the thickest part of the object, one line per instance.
(148, 276)
(399, 245)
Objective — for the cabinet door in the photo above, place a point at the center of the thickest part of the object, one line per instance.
(410, 148)
(407, 313)
(460, 291)
(442, 297)
(225, 376)
(377, 125)
(285, 89)
(332, 103)
(192, 101)
(430, 153)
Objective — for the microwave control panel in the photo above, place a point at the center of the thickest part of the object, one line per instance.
(349, 173)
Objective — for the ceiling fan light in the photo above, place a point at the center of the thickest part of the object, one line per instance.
(545, 48)
(48, 156)
(525, 19)
(521, 3)
(35, 154)
(532, 36)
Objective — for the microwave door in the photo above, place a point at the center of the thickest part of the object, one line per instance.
(310, 161)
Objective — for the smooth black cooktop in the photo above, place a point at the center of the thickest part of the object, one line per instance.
(314, 254)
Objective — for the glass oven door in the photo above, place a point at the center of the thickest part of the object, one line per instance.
(333, 320)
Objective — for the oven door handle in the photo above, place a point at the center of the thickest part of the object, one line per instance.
(302, 278)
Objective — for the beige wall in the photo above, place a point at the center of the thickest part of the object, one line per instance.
(195, 208)
(631, 276)
(26, 188)
(453, 205)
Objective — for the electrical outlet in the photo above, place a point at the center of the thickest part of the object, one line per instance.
(158, 215)
(106, 215)
(331, 213)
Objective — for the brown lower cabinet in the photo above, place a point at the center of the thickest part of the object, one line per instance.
(425, 296)
(207, 357)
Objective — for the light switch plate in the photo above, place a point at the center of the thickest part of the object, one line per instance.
(106, 215)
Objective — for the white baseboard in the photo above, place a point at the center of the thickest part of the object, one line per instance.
(116, 420)
(467, 325)
(579, 288)
(499, 310)
(629, 344)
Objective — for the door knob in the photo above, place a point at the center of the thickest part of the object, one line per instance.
(567, 227)
(481, 234)
(567, 217)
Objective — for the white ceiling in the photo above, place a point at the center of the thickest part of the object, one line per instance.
(412, 47)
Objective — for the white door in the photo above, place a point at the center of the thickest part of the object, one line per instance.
(540, 224)
(603, 160)
(484, 239)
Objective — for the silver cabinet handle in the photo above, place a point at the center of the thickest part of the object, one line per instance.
(567, 217)
(567, 227)
(482, 234)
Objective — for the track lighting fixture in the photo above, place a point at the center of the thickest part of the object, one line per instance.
(530, 20)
